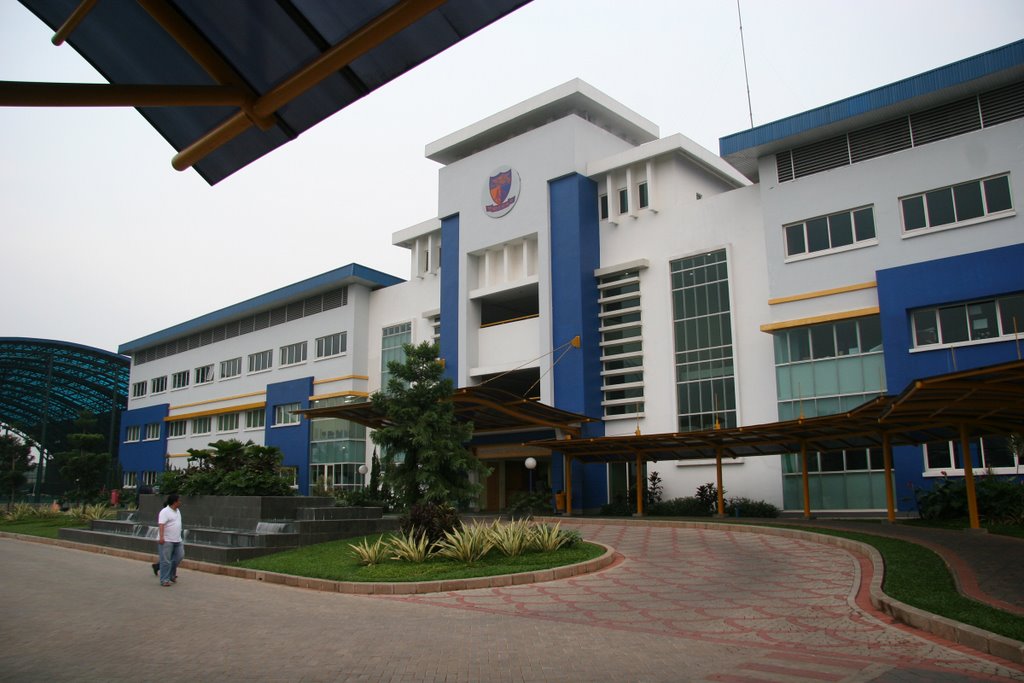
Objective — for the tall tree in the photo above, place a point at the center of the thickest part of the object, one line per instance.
(15, 456)
(425, 458)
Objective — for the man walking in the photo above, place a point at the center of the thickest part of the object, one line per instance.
(172, 549)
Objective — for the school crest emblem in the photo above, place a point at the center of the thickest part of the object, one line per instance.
(502, 191)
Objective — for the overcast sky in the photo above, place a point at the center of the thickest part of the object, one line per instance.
(104, 243)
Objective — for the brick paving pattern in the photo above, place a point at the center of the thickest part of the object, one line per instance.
(682, 605)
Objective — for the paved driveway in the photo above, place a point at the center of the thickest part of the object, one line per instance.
(683, 605)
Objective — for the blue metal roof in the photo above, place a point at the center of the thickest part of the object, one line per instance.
(338, 51)
(353, 273)
(849, 109)
(44, 381)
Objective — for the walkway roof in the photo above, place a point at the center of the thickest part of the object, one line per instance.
(227, 82)
(988, 400)
(44, 380)
(490, 410)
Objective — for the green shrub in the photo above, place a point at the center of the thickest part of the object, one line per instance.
(469, 543)
(361, 498)
(1000, 499)
(512, 539)
(547, 537)
(371, 554)
(572, 537)
(690, 506)
(525, 504)
(89, 513)
(432, 519)
(747, 507)
(620, 507)
(412, 547)
(229, 468)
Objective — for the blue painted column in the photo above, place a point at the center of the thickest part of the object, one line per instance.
(575, 255)
(292, 439)
(450, 258)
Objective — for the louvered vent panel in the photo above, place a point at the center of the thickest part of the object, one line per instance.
(334, 299)
(294, 311)
(219, 333)
(195, 341)
(821, 156)
(313, 305)
(246, 325)
(955, 118)
(784, 165)
(885, 138)
(206, 337)
(231, 330)
(261, 321)
(1002, 105)
(277, 316)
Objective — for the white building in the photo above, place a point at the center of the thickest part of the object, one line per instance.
(819, 261)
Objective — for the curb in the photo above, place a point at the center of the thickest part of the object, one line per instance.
(962, 634)
(349, 587)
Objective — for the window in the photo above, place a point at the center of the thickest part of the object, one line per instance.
(284, 414)
(255, 418)
(957, 204)
(830, 233)
(132, 433)
(392, 339)
(989, 452)
(152, 431)
(331, 345)
(705, 377)
(828, 368)
(991, 320)
(139, 389)
(177, 429)
(158, 385)
(293, 354)
(227, 423)
(201, 425)
(644, 198)
(204, 374)
(603, 206)
(261, 361)
(624, 200)
(231, 368)
(179, 380)
(622, 359)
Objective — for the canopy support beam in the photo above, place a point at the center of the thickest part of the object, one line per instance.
(972, 498)
(718, 479)
(72, 22)
(890, 496)
(805, 480)
(22, 94)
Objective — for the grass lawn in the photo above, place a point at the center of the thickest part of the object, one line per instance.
(1002, 529)
(41, 527)
(336, 561)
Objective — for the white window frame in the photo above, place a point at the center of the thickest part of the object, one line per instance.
(133, 433)
(158, 385)
(204, 374)
(267, 355)
(856, 244)
(202, 425)
(139, 389)
(231, 364)
(1003, 336)
(227, 422)
(284, 417)
(252, 424)
(152, 432)
(987, 216)
(177, 429)
(930, 472)
(176, 380)
(293, 354)
(643, 195)
(322, 342)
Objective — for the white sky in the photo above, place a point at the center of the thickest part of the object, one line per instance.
(102, 242)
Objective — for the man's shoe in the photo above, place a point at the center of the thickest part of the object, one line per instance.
(165, 584)
(174, 579)
(156, 569)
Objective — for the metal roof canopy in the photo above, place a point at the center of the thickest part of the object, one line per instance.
(490, 411)
(43, 380)
(988, 400)
(953, 406)
(227, 82)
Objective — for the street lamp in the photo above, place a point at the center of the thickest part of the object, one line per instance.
(363, 470)
(531, 465)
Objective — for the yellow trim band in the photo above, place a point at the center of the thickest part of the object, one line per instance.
(321, 397)
(216, 411)
(828, 317)
(218, 400)
(822, 292)
(341, 379)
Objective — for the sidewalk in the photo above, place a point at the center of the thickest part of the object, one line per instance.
(986, 567)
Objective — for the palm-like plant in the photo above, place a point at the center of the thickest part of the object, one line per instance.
(548, 538)
(512, 539)
(411, 547)
(370, 554)
(468, 543)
